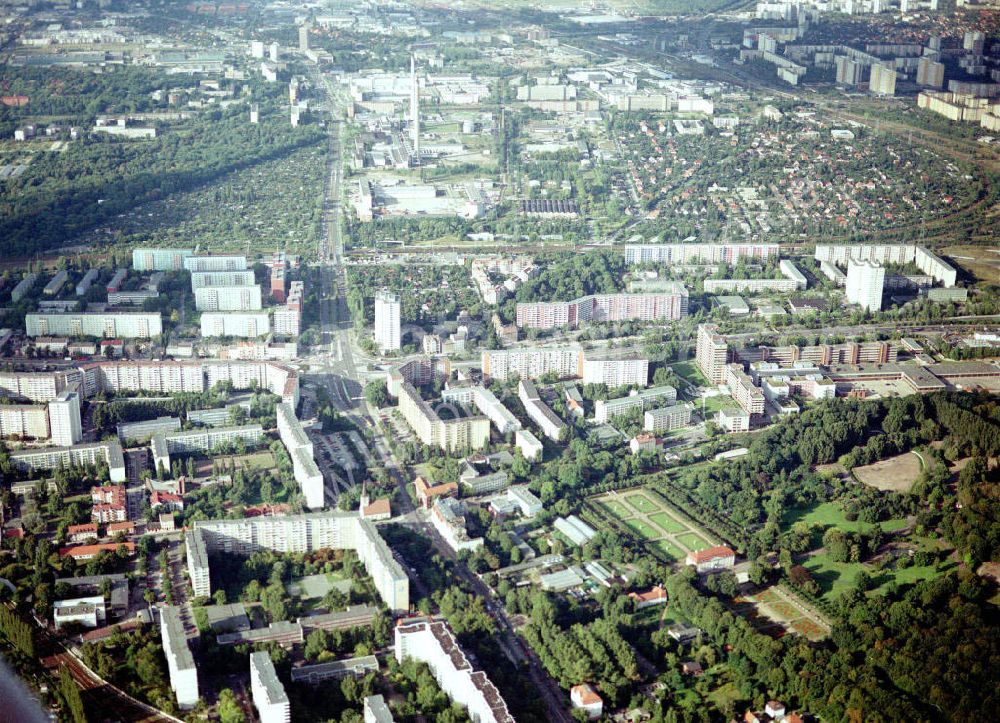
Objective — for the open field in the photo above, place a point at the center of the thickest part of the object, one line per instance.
(896, 474)
(983, 262)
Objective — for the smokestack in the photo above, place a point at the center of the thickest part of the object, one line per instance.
(415, 108)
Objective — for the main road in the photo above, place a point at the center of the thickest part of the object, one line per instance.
(340, 373)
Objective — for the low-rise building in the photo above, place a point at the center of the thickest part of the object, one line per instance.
(448, 518)
(585, 698)
(86, 611)
(712, 559)
(733, 419)
(667, 419)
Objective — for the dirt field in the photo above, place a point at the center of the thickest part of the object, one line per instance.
(983, 262)
(896, 474)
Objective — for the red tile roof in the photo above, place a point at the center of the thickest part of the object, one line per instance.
(711, 553)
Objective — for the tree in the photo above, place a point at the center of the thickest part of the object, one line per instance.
(229, 708)
(377, 394)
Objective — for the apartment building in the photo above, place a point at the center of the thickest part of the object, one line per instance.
(532, 363)
(540, 412)
(116, 325)
(865, 284)
(451, 435)
(487, 403)
(26, 284)
(218, 279)
(530, 446)
(244, 325)
(432, 642)
(34, 386)
(300, 533)
(159, 259)
(180, 662)
(115, 284)
(288, 319)
(300, 449)
(144, 430)
(667, 419)
(694, 253)
(228, 298)
(269, 695)
(743, 390)
(868, 352)
(222, 262)
(605, 410)
(419, 371)
(616, 372)
(199, 441)
(102, 453)
(56, 284)
(711, 353)
(387, 322)
(24, 420)
(666, 305)
(749, 286)
(448, 518)
(65, 426)
(83, 286)
(925, 260)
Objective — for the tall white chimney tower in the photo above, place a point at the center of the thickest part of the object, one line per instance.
(415, 108)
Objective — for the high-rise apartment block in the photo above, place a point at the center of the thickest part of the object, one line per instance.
(246, 325)
(711, 353)
(865, 282)
(117, 325)
(158, 259)
(227, 262)
(668, 305)
(64, 419)
(387, 322)
(228, 298)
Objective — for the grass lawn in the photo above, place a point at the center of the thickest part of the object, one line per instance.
(689, 371)
(833, 577)
(642, 503)
(616, 508)
(643, 529)
(831, 514)
(714, 404)
(669, 549)
(693, 541)
(668, 523)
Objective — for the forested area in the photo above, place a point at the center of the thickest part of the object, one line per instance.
(926, 652)
(97, 179)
